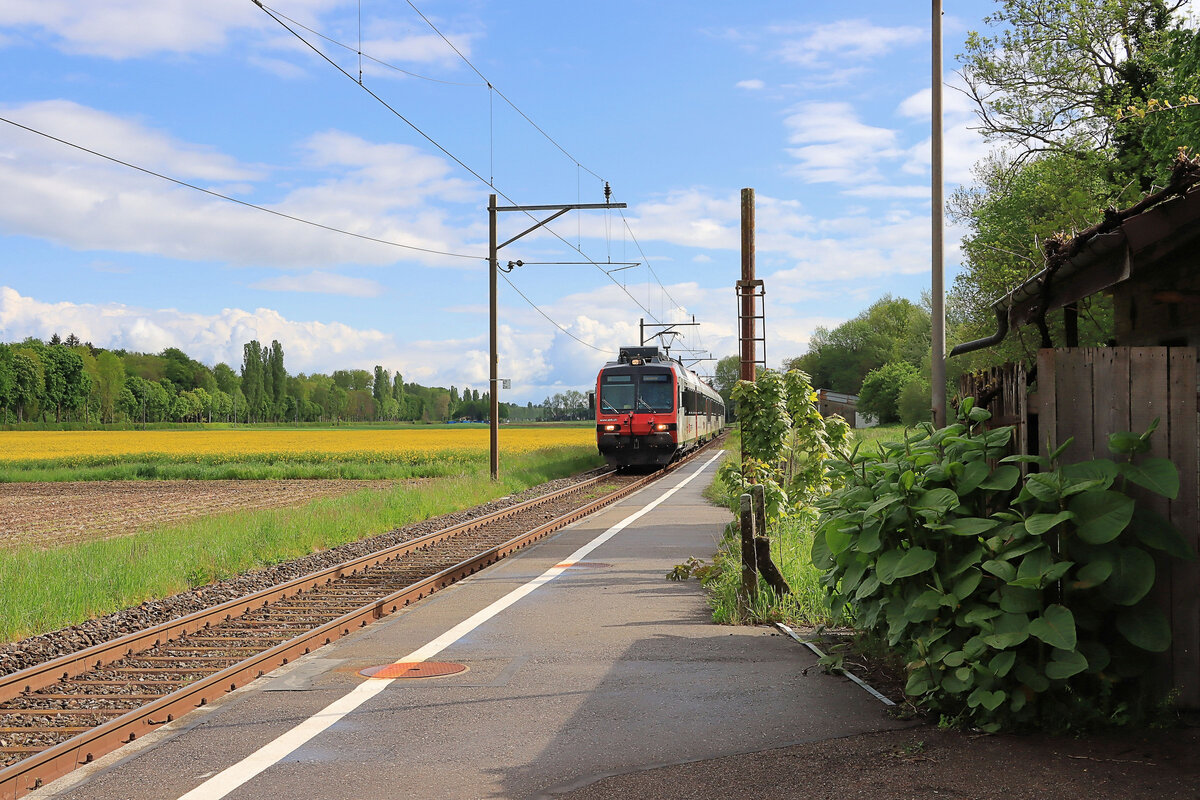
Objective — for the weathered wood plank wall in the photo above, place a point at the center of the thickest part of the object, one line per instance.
(1088, 393)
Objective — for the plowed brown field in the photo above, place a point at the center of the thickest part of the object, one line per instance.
(50, 514)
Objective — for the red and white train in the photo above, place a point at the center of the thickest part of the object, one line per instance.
(650, 408)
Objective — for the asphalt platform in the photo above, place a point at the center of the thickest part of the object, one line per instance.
(596, 666)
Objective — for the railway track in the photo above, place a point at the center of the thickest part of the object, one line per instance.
(67, 712)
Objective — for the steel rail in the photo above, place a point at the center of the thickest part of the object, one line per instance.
(71, 664)
(58, 760)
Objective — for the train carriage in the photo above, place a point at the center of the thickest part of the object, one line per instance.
(650, 408)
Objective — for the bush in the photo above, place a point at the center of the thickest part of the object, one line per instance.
(1016, 601)
(915, 403)
(880, 392)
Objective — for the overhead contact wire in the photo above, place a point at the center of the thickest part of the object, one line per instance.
(245, 203)
(447, 153)
(547, 316)
(513, 105)
(367, 56)
(280, 19)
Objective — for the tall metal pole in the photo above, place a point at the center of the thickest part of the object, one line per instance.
(493, 268)
(747, 292)
(494, 355)
(937, 376)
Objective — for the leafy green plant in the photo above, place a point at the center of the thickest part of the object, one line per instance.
(1016, 600)
(785, 442)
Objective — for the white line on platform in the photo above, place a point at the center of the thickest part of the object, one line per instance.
(871, 689)
(272, 753)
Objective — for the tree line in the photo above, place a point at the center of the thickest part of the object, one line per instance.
(69, 381)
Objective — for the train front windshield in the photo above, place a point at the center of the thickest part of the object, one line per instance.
(641, 391)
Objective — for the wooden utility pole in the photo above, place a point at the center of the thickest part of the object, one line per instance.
(937, 375)
(748, 291)
(749, 557)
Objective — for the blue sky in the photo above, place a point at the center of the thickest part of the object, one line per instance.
(822, 108)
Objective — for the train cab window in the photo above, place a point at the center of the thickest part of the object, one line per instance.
(616, 393)
(656, 392)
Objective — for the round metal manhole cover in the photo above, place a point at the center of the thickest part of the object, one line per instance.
(414, 669)
(583, 565)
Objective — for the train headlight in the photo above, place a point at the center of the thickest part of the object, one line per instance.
(610, 428)
(660, 427)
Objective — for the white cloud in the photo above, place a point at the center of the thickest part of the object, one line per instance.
(888, 191)
(322, 283)
(131, 28)
(843, 41)
(388, 192)
(962, 146)
(753, 84)
(834, 146)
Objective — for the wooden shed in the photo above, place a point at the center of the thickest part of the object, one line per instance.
(1148, 258)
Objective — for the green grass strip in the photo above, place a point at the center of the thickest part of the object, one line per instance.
(44, 590)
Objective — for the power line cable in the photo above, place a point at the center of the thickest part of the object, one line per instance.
(547, 316)
(367, 56)
(279, 18)
(513, 105)
(234, 199)
(445, 151)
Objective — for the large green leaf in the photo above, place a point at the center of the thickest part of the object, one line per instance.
(1003, 641)
(1002, 478)
(885, 567)
(937, 500)
(1124, 442)
(1065, 664)
(955, 659)
(1043, 486)
(822, 558)
(1001, 663)
(1156, 474)
(966, 585)
(1010, 630)
(1101, 469)
(868, 540)
(1038, 524)
(837, 539)
(867, 588)
(1019, 600)
(1132, 576)
(1055, 627)
(1029, 675)
(1034, 565)
(915, 561)
(1157, 532)
(882, 503)
(965, 562)
(991, 700)
(1145, 626)
(1001, 569)
(979, 614)
(930, 598)
(1101, 516)
(972, 526)
(973, 474)
(1092, 574)
(853, 575)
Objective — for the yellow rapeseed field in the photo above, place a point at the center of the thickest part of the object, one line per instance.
(315, 445)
